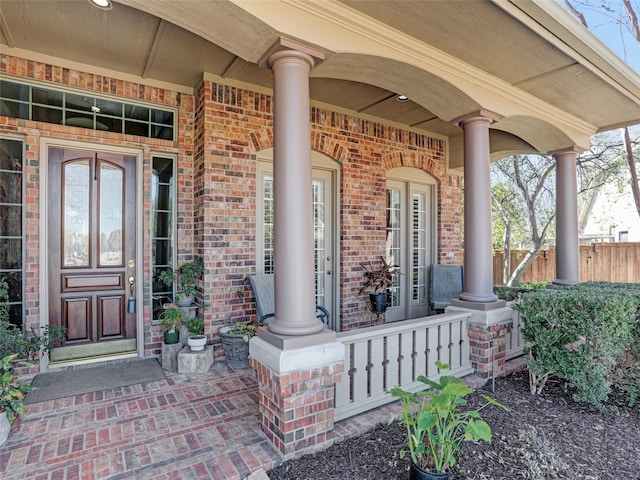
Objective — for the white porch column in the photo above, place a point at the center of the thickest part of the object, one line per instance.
(567, 242)
(478, 249)
(293, 208)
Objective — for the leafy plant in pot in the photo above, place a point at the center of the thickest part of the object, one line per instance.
(436, 425)
(235, 341)
(186, 277)
(172, 319)
(196, 339)
(378, 279)
(12, 395)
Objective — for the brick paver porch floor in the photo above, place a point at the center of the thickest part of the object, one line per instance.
(183, 427)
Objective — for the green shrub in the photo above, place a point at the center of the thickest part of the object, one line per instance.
(13, 341)
(511, 293)
(579, 334)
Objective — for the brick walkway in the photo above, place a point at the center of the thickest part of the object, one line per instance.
(183, 427)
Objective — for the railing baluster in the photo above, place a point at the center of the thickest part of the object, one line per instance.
(377, 358)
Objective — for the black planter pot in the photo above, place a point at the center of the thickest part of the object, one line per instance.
(417, 473)
(378, 302)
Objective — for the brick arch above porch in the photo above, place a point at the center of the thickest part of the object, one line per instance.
(262, 139)
(428, 163)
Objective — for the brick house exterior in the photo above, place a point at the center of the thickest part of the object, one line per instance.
(220, 130)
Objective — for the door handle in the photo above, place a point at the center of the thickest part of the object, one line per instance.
(131, 305)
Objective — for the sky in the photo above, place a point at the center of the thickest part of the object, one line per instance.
(607, 27)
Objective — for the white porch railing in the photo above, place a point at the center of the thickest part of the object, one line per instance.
(515, 341)
(377, 358)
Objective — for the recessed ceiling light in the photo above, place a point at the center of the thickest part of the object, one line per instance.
(103, 4)
(402, 98)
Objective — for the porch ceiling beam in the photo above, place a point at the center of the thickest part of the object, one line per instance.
(378, 102)
(8, 37)
(154, 48)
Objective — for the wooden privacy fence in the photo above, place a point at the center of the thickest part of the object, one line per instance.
(608, 262)
(377, 358)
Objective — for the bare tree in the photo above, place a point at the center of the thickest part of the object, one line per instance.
(531, 176)
(523, 197)
(626, 18)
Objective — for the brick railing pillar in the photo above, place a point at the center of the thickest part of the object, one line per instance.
(296, 393)
(488, 328)
(488, 346)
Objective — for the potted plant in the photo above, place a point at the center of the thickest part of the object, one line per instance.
(235, 341)
(378, 279)
(436, 424)
(196, 339)
(187, 276)
(12, 395)
(26, 346)
(172, 319)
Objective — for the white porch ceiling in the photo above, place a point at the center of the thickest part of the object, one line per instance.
(519, 44)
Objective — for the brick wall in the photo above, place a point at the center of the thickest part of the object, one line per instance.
(297, 408)
(221, 129)
(32, 132)
(364, 149)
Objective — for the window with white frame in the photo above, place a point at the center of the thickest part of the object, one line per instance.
(324, 201)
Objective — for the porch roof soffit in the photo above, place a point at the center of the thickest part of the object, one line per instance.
(372, 51)
(450, 58)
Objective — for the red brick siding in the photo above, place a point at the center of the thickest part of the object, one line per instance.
(364, 149)
(31, 132)
(221, 129)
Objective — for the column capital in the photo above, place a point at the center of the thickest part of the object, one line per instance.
(566, 151)
(485, 115)
(312, 55)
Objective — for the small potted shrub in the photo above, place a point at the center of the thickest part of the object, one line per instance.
(187, 276)
(26, 345)
(172, 319)
(12, 395)
(235, 341)
(378, 279)
(436, 425)
(196, 339)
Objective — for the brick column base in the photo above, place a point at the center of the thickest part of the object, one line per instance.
(488, 328)
(488, 345)
(296, 394)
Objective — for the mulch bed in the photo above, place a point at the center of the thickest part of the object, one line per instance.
(541, 437)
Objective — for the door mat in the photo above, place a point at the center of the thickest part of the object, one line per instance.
(68, 383)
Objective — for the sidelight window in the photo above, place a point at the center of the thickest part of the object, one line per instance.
(12, 225)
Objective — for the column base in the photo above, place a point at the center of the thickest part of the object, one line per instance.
(289, 342)
(296, 391)
(560, 281)
(488, 328)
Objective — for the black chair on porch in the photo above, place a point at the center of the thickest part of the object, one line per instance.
(447, 282)
(263, 291)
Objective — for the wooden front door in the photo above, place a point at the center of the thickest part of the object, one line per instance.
(91, 245)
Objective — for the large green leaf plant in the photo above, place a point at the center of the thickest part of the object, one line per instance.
(436, 425)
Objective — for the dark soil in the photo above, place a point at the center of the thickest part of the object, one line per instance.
(541, 437)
